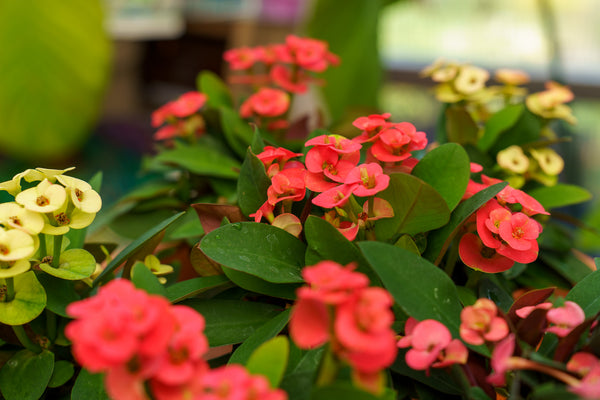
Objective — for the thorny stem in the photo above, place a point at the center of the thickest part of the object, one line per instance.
(10, 289)
(24, 339)
(43, 250)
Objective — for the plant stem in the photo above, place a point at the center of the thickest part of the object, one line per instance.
(10, 289)
(473, 279)
(56, 252)
(43, 250)
(24, 339)
(50, 325)
(328, 369)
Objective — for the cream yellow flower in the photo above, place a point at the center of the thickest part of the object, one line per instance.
(513, 77)
(44, 198)
(15, 244)
(513, 159)
(158, 269)
(60, 221)
(39, 174)
(549, 161)
(18, 217)
(550, 102)
(81, 193)
(13, 186)
(470, 79)
(11, 269)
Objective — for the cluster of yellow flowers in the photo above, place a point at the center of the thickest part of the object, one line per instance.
(53, 206)
(540, 164)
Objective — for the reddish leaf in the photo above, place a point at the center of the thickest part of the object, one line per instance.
(531, 329)
(211, 215)
(567, 344)
(531, 298)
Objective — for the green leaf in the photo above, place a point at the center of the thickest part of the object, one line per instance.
(74, 264)
(49, 98)
(586, 294)
(200, 159)
(63, 371)
(447, 169)
(215, 89)
(325, 242)
(258, 145)
(59, 292)
(238, 133)
(438, 379)
(135, 246)
(252, 184)
(89, 386)
(232, 321)
(270, 359)
(567, 265)
(560, 195)
(439, 240)
(144, 279)
(498, 123)
(269, 330)
(257, 285)
(298, 381)
(406, 242)
(28, 303)
(341, 391)
(460, 126)
(26, 375)
(192, 287)
(402, 273)
(553, 391)
(525, 130)
(418, 207)
(353, 46)
(265, 251)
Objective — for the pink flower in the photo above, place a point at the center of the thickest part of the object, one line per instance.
(309, 322)
(288, 184)
(337, 143)
(563, 319)
(334, 197)
(310, 54)
(396, 141)
(241, 58)
(347, 228)
(282, 77)
(332, 283)
(187, 104)
(519, 231)
(480, 323)
(501, 356)
(587, 366)
(267, 102)
(370, 126)
(369, 178)
(280, 155)
(524, 312)
(233, 382)
(330, 163)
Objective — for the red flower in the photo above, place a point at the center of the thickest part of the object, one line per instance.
(271, 154)
(267, 102)
(233, 382)
(310, 54)
(282, 77)
(334, 197)
(395, 142)
(288, 184)
(563, 319)
(368, 179)
(476, 255)
(241, 58)
(370, 126)
(480, 323)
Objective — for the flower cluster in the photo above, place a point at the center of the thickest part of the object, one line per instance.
(431, 345)
(550, 103)
(457, 82)
(55, 205)
(539, 164)
(142, 340)
(480, 323)
(180, 116)
(338, 306)
(503, 236)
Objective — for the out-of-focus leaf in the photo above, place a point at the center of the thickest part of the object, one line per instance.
(49, 98)
(440, 380)
(270, 359)
(446, 168)
(63, 371)
(201, 160)
(252, 184)
(560, 195)
(89, 386)
(26, 375)
(586, 294)
(341, 391)
(418, 207)
(238, 133)
(215, 89)
(353, 46)
(567, 265)
(60, 293)
(261, 250)
(525, 130)
(192, 287)
(531, 298)
(460, 126)
(498, 123)
(231, 321)
(144, 279)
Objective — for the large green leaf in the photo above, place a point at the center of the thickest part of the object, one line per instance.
(60, 293)
(567, 265)
(525, 130)
(192, 287)
(144, 279)
(200, 159)
(460, 126)
(252, 184)
(418, 207)
(26, 375)
(74, 264)
(265, 251)
(498, 123)
(238, 133)
(215, 89)
(232, 321)
(261, 335)
(586, 294)
(135, 246)
(89, 386)
(560, 195)
(447, 169)
(439, 240)
(270, 359)
(299, 378)
(28, 303)
(53, 76)
(255, 284)
(325, 242)
(63, 371)
(402, 273)
(356, 81)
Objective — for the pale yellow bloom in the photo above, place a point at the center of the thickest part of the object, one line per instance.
(513, 77)
(18, 217)
(470, 79)
(9, 270)
(15, 244)
(59, 222)
(39, 174)
(550, 102)
(513, 159)
(158, 269)
(45, 197)
(81, 193)
(549, 161)
(13, 186)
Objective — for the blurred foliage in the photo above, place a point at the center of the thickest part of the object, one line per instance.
(54, 67)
